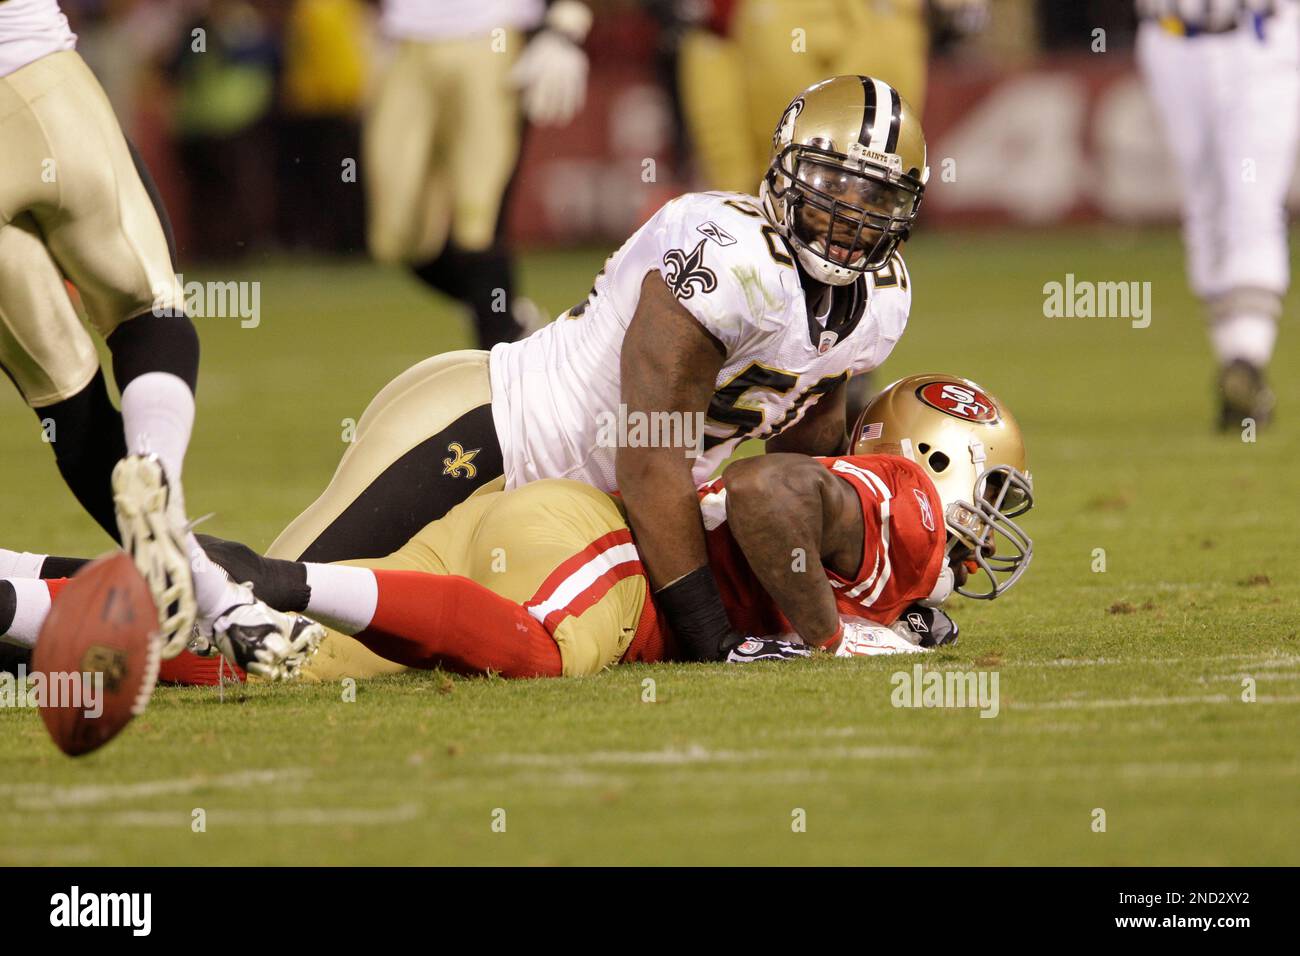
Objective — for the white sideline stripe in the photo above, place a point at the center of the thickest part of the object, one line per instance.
(1145, 702)
(296, 816)
(699, 755)
(43, 796)
(583, 578)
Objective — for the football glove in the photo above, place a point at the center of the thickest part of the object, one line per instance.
(926, 626)
(551, 74)
(766, 649)
(863, 638)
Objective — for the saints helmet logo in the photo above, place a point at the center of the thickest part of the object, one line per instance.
(461, 463)
(687, 274)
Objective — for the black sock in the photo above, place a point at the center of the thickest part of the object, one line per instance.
(56, 567)
(281, 584)
(8, 606)
(484, 281)
(87, 442)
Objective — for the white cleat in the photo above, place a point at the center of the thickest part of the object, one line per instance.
(265, 642)
(151, 521)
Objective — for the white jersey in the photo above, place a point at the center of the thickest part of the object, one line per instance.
(29, 30)
(556, 394)
(1206, 14)
(447, 19)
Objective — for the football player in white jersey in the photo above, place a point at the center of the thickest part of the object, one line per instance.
(744, 315)
(1225, 78)
(74, 204)
(441, 139)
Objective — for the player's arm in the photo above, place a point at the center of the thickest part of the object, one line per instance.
(821, 431)
(792, 518)
(670, 363)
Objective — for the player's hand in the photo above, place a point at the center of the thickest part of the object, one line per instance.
(766, 649)
(862, 638)
(552, 78)
(926, 626)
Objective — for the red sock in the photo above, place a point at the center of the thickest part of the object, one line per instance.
(194, 671)
(185, 668)
(438, 620)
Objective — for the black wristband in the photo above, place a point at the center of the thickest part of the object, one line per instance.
(693, 608)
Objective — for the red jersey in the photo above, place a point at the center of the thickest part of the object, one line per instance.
(902, 547)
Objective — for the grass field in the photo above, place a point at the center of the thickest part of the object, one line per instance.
(1120, 690)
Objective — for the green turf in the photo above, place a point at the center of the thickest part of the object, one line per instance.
(1119, 690)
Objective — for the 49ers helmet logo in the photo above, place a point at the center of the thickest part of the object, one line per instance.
(959, 400)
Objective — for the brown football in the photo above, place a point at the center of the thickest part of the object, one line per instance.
(97, 655)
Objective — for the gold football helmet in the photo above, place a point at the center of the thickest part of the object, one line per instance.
(847, 173)
(969, 444)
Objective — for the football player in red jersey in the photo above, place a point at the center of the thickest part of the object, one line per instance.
(809, 553)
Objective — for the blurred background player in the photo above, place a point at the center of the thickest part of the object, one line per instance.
(1225, 78)
(74, 203)
(442, 138)
(740, 61)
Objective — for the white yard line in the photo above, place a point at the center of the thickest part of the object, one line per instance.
(695, 754)
(218, 819)
(1271, 660)
(36, 796)
(1103, 704)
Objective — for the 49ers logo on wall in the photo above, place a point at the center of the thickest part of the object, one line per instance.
(959, 400)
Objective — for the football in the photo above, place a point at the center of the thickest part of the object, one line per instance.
(96, 660)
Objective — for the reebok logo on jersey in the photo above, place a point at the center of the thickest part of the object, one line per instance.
(927, 513)
(717, 233)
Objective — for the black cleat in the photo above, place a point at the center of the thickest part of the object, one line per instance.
(1244, 394)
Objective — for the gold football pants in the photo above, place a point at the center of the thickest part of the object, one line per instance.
(735, 88)
(559, 547)
(71, 205)
(425, 443)
(439, 145)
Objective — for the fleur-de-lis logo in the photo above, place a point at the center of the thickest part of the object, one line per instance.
(461, 463)
(687, 274)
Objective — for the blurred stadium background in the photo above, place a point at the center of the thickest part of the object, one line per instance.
(248, 140)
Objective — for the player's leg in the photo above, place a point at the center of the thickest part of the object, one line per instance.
(1258, 94)
(104, 233)
(711, 73)
(397, 149)
(539, 581)
(480, 143)
(786, 46)
(1182, 76)
(425, 443)
(899, 49)
(24, 605)
(50, 356)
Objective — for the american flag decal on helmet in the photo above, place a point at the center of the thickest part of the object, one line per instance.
(871, 432)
